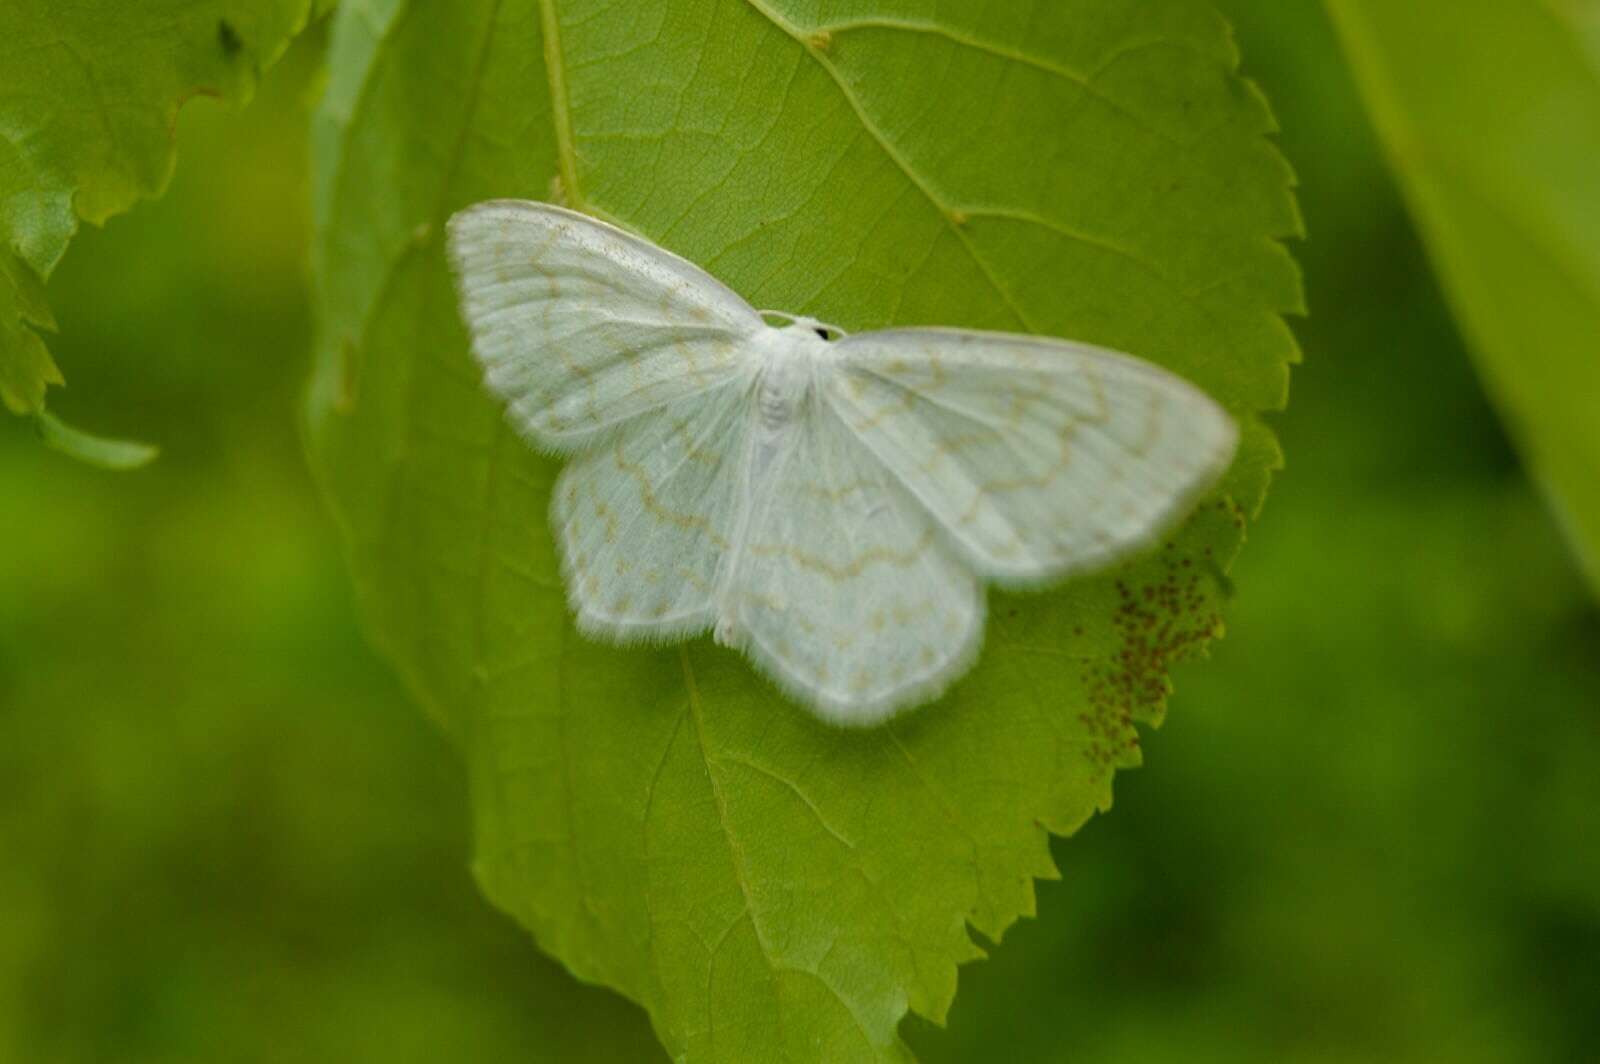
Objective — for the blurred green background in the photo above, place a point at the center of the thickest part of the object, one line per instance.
(1368, 831)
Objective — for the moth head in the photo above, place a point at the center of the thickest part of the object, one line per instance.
(800, 323)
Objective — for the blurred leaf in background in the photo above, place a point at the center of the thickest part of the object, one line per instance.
(89, 93)
(1493, 129)
(1368, 835)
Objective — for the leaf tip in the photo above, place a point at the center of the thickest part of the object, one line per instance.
(115, 455)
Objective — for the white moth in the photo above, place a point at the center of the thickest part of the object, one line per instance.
(830, 505)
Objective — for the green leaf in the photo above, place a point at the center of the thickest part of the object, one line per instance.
(661, 820)
(26, 368)
(1502, 172)
(89, 94)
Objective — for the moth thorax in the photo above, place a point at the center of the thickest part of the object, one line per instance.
(783, 386)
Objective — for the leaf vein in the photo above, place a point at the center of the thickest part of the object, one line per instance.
(1084, 82)
(735, 853)
(560, 105)
(873, 130)
(795, 789)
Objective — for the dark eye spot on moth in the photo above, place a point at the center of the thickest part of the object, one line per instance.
(228, 38)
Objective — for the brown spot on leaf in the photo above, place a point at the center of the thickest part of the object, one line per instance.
(1159, 622)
